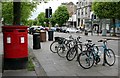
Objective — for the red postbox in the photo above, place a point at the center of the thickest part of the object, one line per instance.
(15, 40)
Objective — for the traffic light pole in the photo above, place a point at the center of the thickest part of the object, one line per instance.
(49, 17)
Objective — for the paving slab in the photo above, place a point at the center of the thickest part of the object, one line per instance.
(23, 72)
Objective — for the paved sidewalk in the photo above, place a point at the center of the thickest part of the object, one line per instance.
(56, 66)
(1, 53)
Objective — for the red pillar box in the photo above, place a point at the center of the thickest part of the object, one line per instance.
(15, 47)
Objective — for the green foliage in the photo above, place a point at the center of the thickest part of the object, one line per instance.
(29, 22)
(61, 15)
(30, 66)
(7, 12)
(53, 22)
(106, 9)
(26, 10)
(41, 19)
(47, 22)
(44, 21)
(34, 22)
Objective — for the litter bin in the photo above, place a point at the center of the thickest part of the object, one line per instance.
(36, 41)
(86, 32)
(50, 35)
(42, 36)
(15, 42)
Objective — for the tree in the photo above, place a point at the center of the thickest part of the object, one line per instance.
(61, 15)
(7, 12)
(34, 22)
(108, 10)
(41, 19)
(53, 22)
(26, 10)
(29, 22)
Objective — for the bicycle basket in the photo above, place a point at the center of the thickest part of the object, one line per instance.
(56, 38)
(59, 39)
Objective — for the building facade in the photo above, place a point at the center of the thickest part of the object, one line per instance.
(71, 7)
(83, 12)
(88, 20)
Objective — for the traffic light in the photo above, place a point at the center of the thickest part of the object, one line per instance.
(48, 12)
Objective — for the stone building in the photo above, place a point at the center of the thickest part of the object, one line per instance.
(83, 12)
(71, 7)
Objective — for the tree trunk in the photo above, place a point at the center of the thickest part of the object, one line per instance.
(114, 34)
(16, 13)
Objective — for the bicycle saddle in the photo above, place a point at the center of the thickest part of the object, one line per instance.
(103, 40)
(89, 40)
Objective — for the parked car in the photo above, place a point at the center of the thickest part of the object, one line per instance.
(117, 30)
(72, 30)
(63, 29)
(53, 28)
(41, 28)
(46, 28)
(31, 30)
(58, 29)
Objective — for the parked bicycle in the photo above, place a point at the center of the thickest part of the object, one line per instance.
(54, 44)
(61, 45)
(73, 51)
(91, 55)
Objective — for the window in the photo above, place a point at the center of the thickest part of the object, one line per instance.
(86, 10)
(90, 9)
(82, 3)
(81, 11)
(94, 16)
(79, 4)
(78, 12)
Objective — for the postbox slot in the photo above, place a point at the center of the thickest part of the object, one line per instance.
(21, 30)
(9, 30)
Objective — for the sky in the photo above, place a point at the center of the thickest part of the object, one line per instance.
(53, 4)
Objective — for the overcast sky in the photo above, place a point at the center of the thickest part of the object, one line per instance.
(53, 4)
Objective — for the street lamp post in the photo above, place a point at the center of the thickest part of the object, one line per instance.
(92, 18)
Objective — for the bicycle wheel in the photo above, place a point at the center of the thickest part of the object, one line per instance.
(62, 50)
(54, 46)
(86, 59)
(71, 54)
(110, 57)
